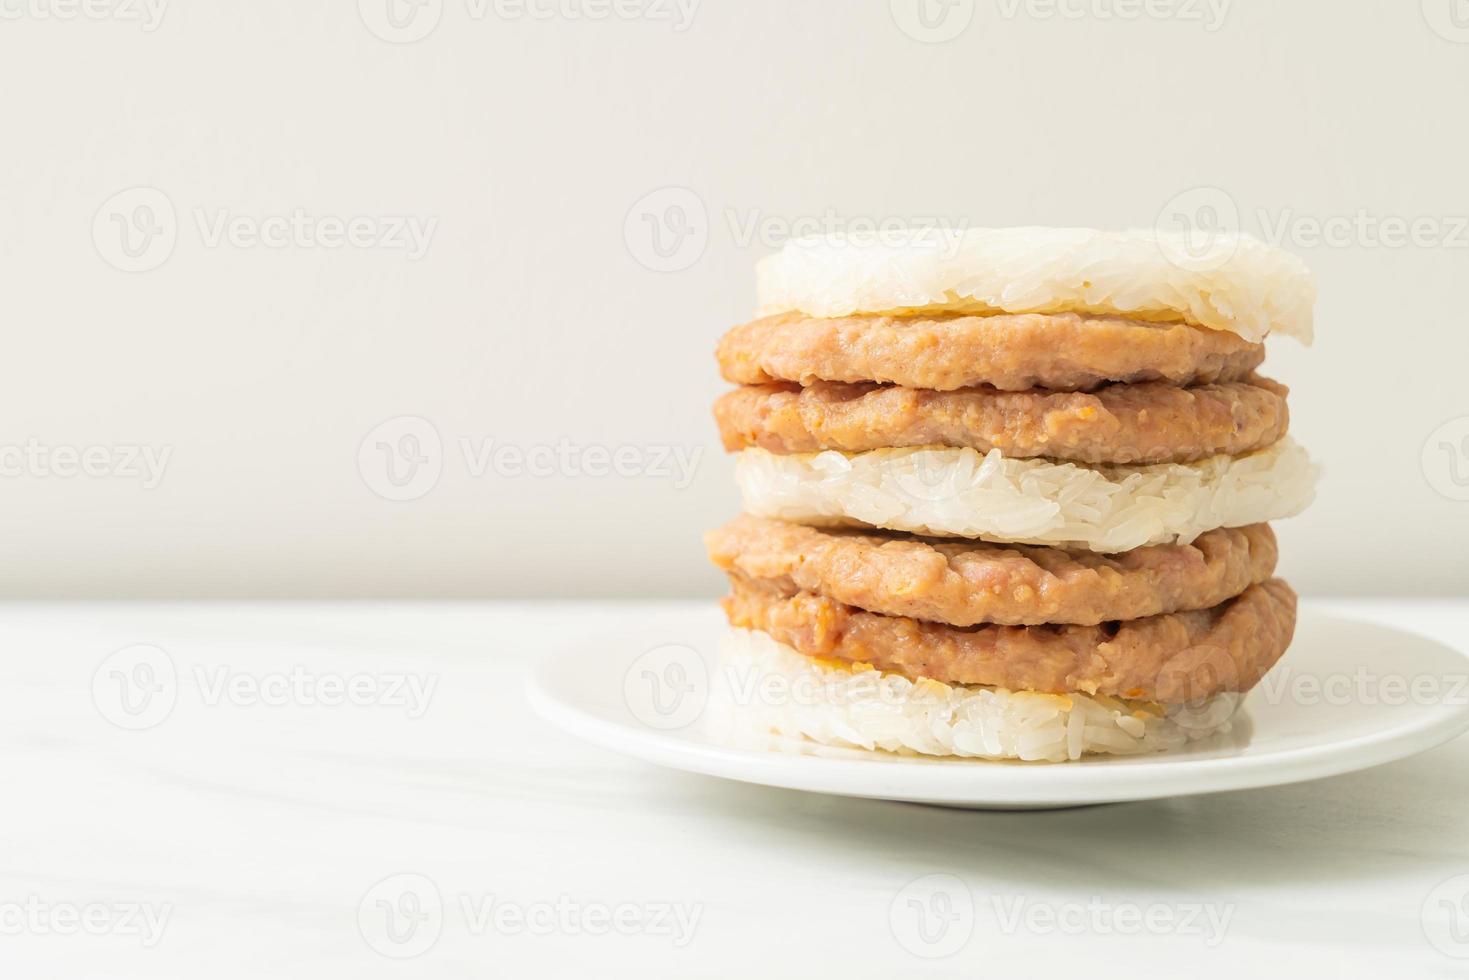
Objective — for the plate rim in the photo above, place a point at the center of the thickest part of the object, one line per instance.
(1009, 783)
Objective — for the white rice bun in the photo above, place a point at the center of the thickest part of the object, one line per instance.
(962, 493)
(1221, 281)
(765, 688)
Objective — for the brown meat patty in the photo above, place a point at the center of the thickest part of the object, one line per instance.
(964, 583)
(1013, 352)
(1151, 422)
(1171, 658)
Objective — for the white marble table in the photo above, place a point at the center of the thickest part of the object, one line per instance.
(293, 786)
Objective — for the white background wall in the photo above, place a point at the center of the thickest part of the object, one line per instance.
(530, 319)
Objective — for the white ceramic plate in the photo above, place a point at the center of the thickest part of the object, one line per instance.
(1346, 696)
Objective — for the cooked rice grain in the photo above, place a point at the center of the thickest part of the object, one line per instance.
(962, 493)
(764, 688)
(1225, 282)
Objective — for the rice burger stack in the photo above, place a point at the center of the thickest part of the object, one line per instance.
(1007, 491)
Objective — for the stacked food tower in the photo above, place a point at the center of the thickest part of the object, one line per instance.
(1006, 491)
